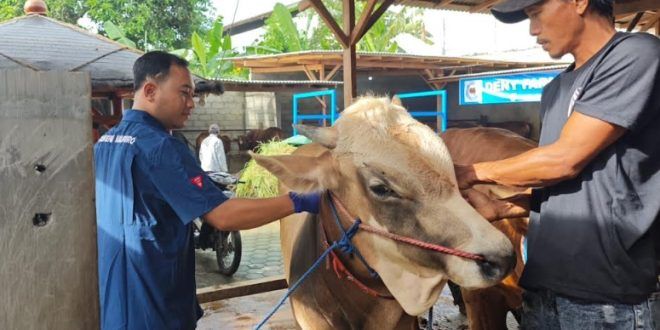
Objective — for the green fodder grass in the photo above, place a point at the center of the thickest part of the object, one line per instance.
(256, 181)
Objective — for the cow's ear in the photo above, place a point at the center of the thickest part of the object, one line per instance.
(302, 173)
(396, 101)
(325, 136)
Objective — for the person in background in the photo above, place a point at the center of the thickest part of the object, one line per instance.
(212, 152)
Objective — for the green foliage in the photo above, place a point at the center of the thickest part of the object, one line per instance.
(208, 54)
(117, 34)
(282, 36)
(153, 24)
(256, 181)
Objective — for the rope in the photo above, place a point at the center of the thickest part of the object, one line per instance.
(346, 238)
(414, 242)
(424, 245)
(350, 248)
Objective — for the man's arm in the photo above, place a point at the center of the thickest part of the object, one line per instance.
(581, 139)
(244, 213)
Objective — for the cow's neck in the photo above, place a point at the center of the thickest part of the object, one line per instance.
(328, 228)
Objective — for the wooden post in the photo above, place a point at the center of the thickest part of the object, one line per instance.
(350, 87)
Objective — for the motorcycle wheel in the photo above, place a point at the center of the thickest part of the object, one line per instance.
(228, 251)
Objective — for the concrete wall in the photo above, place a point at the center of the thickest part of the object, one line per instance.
(234, 112)
(48, 265)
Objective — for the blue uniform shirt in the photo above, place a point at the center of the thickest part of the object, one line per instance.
(149, 188)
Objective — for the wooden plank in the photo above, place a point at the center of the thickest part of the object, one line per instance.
(635, 6)
(332, 72)
(634, 21)
(295, 68)
(350, 81)
(374, 18)
(330, 22)
(484, 6)
(442, 4)
(362, 23)
(650, 23)
(240, 289)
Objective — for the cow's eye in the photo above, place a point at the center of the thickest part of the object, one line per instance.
(383, 191)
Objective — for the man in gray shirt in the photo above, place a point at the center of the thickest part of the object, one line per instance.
(594, 234)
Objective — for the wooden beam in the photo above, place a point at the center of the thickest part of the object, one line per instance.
(443, 3)
(635, 6)
(374, 18)
(320, 8)
(634, 21)
(350, 81)
(650, 23)
(484, 5)
(240, 289)
(295, 68)
(362, 23)
(332, 72)
(310, 74)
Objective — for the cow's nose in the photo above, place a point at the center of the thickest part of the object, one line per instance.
(497, 267)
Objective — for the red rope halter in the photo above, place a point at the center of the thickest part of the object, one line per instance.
(408, 240)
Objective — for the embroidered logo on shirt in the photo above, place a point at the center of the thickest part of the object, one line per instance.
(197, 181)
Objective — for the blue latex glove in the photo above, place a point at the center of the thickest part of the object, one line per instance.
(306, 202)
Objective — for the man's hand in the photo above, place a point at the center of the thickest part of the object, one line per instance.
(306, 202)
(494, 209)
(465, 176)
(486, 206)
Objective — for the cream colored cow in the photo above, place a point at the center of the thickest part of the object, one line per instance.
(394, 174)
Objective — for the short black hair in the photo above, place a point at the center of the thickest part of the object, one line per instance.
(155, 65)
(604, 8)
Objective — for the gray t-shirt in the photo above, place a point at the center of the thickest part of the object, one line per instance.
(596, 237)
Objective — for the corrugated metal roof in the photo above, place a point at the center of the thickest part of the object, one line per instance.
(45, 44)
(502, 72)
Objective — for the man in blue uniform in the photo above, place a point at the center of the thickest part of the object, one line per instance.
(594, 235)
(149, 188)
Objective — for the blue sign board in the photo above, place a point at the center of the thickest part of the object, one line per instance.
(522, 87)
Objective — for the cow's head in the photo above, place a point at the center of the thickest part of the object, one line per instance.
(395, 174)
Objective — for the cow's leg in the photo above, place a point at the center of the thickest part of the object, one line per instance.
(486, 309)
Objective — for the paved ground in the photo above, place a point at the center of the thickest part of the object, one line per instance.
(262, 258)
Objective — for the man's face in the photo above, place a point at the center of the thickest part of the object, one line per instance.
(556, 25)
(173, 98)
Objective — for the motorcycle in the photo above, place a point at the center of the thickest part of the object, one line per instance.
(226, 244)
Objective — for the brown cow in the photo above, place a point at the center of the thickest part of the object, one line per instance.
(487, 308)
(396, 175)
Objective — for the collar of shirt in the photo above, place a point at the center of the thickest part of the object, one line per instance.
(141, 116)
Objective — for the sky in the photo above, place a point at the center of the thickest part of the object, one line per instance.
(464, 33)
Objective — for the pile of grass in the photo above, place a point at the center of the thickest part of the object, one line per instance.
(256, 181)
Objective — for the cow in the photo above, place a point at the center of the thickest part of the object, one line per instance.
(487, 308)
(381, 166)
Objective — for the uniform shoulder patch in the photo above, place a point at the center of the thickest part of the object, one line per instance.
(197, 181)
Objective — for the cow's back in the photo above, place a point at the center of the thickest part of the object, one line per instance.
(481, 144)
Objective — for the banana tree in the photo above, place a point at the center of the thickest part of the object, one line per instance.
(282, 36)
(117, 34)
(209, 52)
